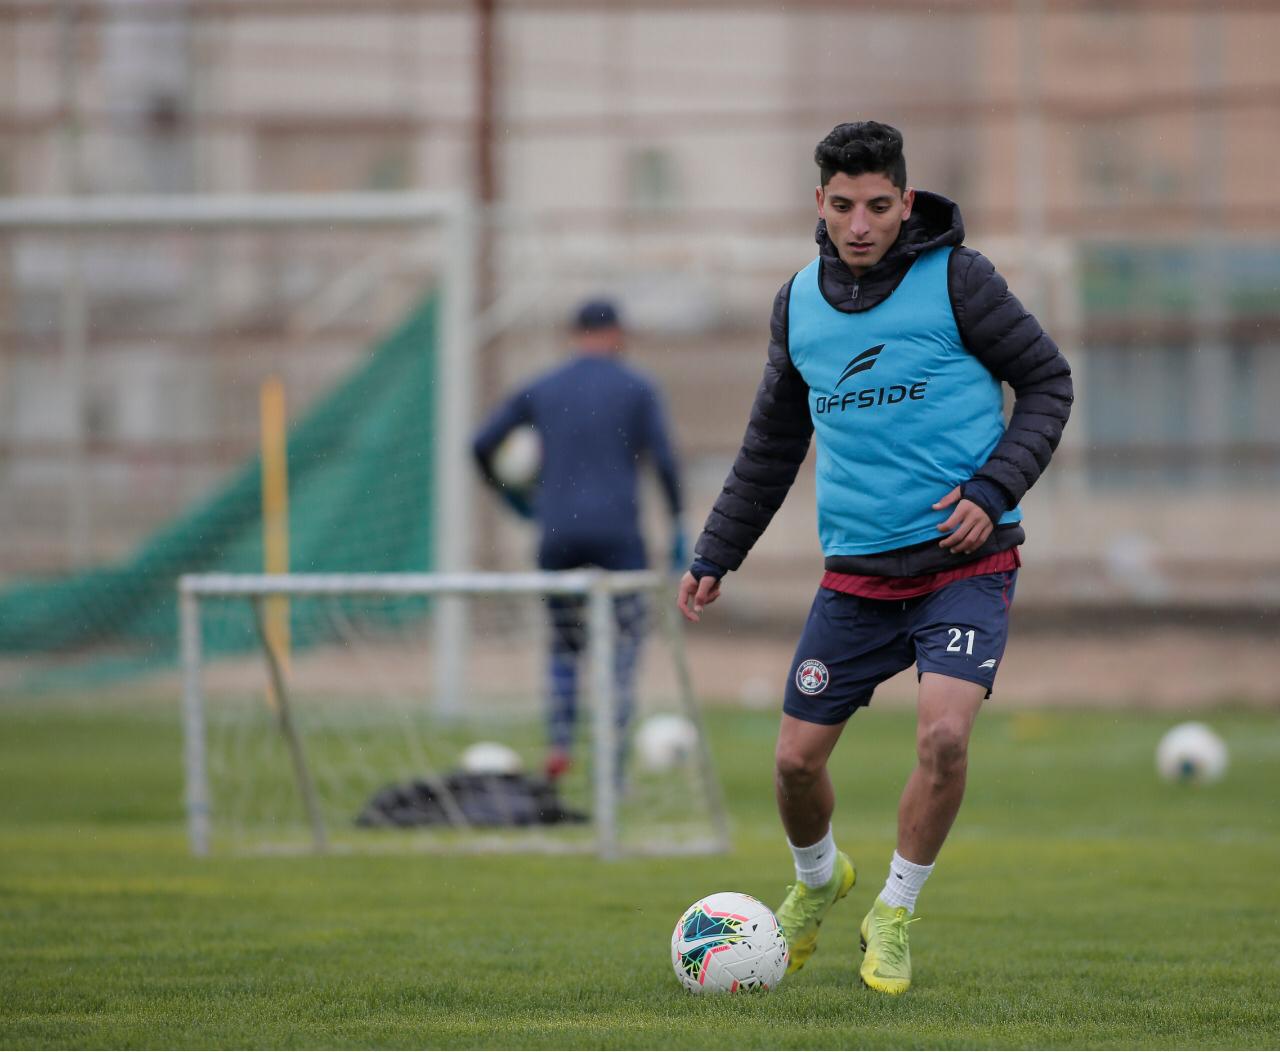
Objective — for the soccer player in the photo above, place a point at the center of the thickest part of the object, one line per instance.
(892, 345)
(597, 419)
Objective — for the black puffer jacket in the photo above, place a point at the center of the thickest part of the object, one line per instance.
(995, 328)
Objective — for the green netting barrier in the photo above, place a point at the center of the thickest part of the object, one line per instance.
(360, 495)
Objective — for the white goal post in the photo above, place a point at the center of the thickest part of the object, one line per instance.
(514, 594)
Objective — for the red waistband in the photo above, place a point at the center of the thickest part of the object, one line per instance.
(909, 587)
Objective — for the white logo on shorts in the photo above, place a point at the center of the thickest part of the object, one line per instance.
(989, 663)
(812, 677)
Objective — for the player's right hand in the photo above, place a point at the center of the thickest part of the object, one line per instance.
(694, 595)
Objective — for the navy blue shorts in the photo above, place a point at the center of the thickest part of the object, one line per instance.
(851, 645)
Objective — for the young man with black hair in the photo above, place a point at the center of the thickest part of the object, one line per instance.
(892, 345)
(597, 419)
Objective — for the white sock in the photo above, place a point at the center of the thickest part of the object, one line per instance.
(904, 883)
(815, 863)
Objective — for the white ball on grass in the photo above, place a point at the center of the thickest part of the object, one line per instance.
(665, 741)
(491, 758)
(728, 943)
(1191, 752)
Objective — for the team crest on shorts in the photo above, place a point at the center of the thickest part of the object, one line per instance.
(812, 677)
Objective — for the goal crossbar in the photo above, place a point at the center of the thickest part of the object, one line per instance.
(552, 582)
(153, 211)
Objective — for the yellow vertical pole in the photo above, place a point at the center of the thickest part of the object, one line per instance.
(275, 517)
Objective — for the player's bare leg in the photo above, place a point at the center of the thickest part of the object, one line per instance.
(930, 802)
(945, 715)
(802, 785)
(806, 801)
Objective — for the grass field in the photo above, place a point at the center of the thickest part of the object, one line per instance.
(1079, 903)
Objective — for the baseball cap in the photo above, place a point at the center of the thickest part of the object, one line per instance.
(596, 314)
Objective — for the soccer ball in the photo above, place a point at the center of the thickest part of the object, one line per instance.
(490, 758)
(517, 462)
(1191, 752)
(727, 943)
(666, 741)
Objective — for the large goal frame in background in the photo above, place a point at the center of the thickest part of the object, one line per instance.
(453, 213)
(598, 588)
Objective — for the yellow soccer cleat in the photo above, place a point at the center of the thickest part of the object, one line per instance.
(887, 965)
(801, 913)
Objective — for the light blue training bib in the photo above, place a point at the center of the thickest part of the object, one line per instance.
(902, 412)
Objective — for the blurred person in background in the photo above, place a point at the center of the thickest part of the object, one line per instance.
(892, 345)
(596, 419)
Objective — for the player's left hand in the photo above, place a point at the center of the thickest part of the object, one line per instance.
(966, 528)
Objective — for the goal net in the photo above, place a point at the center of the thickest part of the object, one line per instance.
(314, 718)
(138, 336)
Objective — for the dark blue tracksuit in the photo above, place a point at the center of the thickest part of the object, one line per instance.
(596, 419)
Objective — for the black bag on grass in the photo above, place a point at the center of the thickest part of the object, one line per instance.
(482, 799)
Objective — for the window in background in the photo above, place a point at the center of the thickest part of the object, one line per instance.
(1136, 403)
(653, 182)
(330, 157)
(1108, 161)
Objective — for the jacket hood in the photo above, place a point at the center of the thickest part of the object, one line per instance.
(935, 222)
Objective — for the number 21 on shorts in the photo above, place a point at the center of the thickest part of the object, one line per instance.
(960, 641)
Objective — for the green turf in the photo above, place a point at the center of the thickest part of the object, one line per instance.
(1079, 903)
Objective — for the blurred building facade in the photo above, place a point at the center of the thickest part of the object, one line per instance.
(1114, 160)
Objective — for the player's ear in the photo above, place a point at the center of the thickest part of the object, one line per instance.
(818, 196)
(908, 199)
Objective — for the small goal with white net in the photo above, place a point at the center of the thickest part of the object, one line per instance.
(314, 717)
